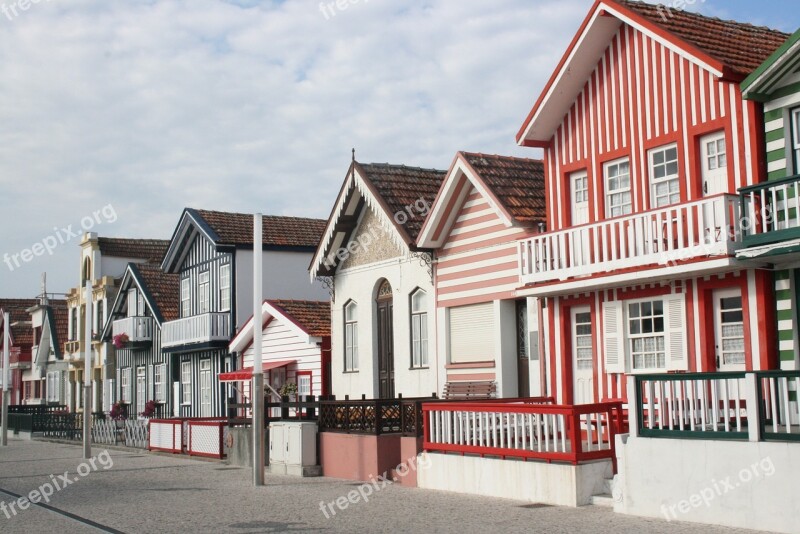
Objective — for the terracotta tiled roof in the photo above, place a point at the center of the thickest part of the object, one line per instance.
(61, 314)
(163, 287)
(237, 229)
(400, 187)
(518, 183)
(311, 315)
(22, 334)
(740, 46)
(146, 249)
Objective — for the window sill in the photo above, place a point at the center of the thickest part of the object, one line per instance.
(418, 368)
(350, 372)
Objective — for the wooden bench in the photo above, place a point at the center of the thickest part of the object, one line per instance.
(484, 389)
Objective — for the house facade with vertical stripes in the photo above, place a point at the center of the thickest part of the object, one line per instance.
(383, 319)
(484, 206)
(147, 298)
(773, 207)
(20, 342)
(212, 254)
(646, 141)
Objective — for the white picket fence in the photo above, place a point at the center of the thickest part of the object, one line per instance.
(131, 432)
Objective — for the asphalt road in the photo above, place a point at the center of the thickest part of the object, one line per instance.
(133, 492)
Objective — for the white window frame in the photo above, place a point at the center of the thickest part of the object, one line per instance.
(186, 297)
(159, 376)
(630, 338)
(795, 139)
(304, 384)
(141, 400)
(203, 292)
(617, 209)
(672, 180)
(350, 337)
(419, 330)
(186, 383)
(225, 287)
(717, 155)
(133, 303)
(125, 385)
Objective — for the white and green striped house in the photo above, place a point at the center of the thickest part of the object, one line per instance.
(772, 209)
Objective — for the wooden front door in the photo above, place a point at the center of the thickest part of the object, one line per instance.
(729, 330)
(523, 366)
(582, 355)
(385, 342)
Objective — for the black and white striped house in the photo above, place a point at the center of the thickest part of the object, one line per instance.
(147, 299)
(212, 252)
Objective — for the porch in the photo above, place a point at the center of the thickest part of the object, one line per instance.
(675, 238)
(202, 329)
(772, 215)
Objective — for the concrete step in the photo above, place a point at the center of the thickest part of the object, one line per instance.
(608, 484)
(604, 499)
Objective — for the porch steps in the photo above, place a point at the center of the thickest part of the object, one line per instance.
(606, 498)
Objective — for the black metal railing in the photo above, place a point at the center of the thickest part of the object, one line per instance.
(304, 409)
(373, 416)
(36, 409)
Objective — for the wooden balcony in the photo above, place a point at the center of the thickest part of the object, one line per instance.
(72, 347)
(196, 330)
(675, 236)
(771, 212)
(138, 329)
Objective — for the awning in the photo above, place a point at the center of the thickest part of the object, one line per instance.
(247, 372)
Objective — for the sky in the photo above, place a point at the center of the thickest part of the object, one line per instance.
(114, 116)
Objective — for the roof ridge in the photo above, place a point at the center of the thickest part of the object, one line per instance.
(701, 15)
(264, 216)
(401, 166)
(484, 155)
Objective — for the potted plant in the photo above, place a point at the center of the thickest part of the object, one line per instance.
(149, 409)
(289, 389)
(119, 413)
(120, 340)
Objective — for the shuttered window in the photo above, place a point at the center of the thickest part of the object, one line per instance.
(471, 333)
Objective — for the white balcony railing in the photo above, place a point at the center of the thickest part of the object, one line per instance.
(202, 328)
(138, 329)
(665, 236)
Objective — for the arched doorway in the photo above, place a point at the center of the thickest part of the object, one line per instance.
(385, 340)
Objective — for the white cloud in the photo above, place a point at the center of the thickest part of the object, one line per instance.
(157, 105)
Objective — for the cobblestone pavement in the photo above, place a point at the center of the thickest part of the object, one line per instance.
(145, 492)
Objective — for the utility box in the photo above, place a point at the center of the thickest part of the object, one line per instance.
(293, 448)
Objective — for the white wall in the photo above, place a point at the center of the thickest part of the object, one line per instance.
(285, 276)
(539, 482)
(734, 483)
(360, 284)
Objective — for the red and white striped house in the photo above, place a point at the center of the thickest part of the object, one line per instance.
(486, 203)
(646, 139)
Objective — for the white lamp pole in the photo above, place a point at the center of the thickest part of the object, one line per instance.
(6, 379)
(87, 376)
(258, 367)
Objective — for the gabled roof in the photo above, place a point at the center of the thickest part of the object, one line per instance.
(395, 192)
(728, 49)
(146, 249)
(514, 187)
(160, 290)
(784, 62)
(19, 320)
(235, 230)
(309, 319)
(58, 315)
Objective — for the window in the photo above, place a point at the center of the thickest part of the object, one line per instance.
(73, 334)
(132, 303)
(203, 293)
(471, 333)
(159, 374)
(141, 389)
(225, 288)
(140, 304)
(125, 385)
(186, 293)
(350, 337)
(100, 316)
(53, 388)
(646, 334)
(618, 188)
(665, 187)
(186, 383)
(715, 154)
(303, 384)
(796, 139)
(419, 329)
(580, 187)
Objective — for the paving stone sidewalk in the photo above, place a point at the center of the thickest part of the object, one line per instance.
(144, 493)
